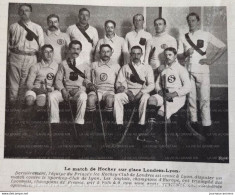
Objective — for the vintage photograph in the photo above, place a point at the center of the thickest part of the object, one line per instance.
(117, 83)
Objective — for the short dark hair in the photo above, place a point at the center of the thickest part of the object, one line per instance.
(137, 47)
(84, 9)
(53, 16)
(105, 45)
(26, 4)
(47, 46)
(193, 14)
(137, 15)
(110, 21)
(159, 19)
(75, 42)
(172, 49)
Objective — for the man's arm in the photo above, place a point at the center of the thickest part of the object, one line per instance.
(149, 81)
(184, 77)
(97, 50)
(147, 51)
(125, 52)
(40, 37)
(59, 78)
(31, 77)
(121, 79)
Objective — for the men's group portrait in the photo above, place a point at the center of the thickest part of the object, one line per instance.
(110, 83)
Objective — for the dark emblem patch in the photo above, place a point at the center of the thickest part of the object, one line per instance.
(50, 76)
(103, 76)
(171, 79)
(60, 41)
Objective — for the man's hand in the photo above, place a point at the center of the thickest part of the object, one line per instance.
(39, 91)
(138, 96)
(49, 90)
(171, 96)
(91, 87)
(65, 94)
(130, 95)
(205, 61)
(189, 52)
(73, 91)
(120, 89)
(164, 46)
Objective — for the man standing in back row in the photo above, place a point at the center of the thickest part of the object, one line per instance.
(84, 33)
(138, 36)
(25, 40)
(195, 43)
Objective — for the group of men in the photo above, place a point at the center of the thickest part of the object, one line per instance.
(77, 66)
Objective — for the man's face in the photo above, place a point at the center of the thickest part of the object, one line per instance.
(159, 26)
(84, 17)
(138, 22)
(170, 57)
(75, 50)
(105, 53)
(24, 12)
(193, 23)
(47, 54)
(109, 29)
(53, 24)
(136, 55)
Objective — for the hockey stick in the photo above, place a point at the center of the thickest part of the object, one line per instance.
(71, 112)
(48, 113)
(164, 87)
(99, 107)
(129, 122)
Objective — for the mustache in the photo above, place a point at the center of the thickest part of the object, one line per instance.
(53, 27)
(75, 53)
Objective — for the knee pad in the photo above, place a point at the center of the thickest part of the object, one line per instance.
(91, 102)
(109, 100)
(41, 100)
(29, 100)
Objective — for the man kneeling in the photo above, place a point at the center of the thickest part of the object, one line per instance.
(173, 84)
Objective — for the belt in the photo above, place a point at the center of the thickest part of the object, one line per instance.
(27, 53)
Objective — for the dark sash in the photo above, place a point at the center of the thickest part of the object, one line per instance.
(76, 70)
(137, 77)
(196, 47)
(30, 34)
(85, 34)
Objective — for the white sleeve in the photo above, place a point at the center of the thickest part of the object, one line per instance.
(215, 41)
(184, 77)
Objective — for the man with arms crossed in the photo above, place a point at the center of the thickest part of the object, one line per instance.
(158, 44)
(120, 50)
(138, 36)
(85, 33)
(56, 38)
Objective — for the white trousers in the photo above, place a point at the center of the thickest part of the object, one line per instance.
(56, 97)
(171, 107)
(121, 98)
(200, 87)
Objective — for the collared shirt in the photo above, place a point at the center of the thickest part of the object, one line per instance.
(59, 42)
(145, 73)
(66, 74)
(105, 74)
(41, 71)
(17, 37)
(119, 47)
(133, 38)
(87, 48)
(207, 37)
(177, 79)
(157, 42)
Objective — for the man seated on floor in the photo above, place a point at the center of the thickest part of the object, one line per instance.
(104, 74)
(134, 83)
(72, 80)
(174, 83)
(41, 78)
